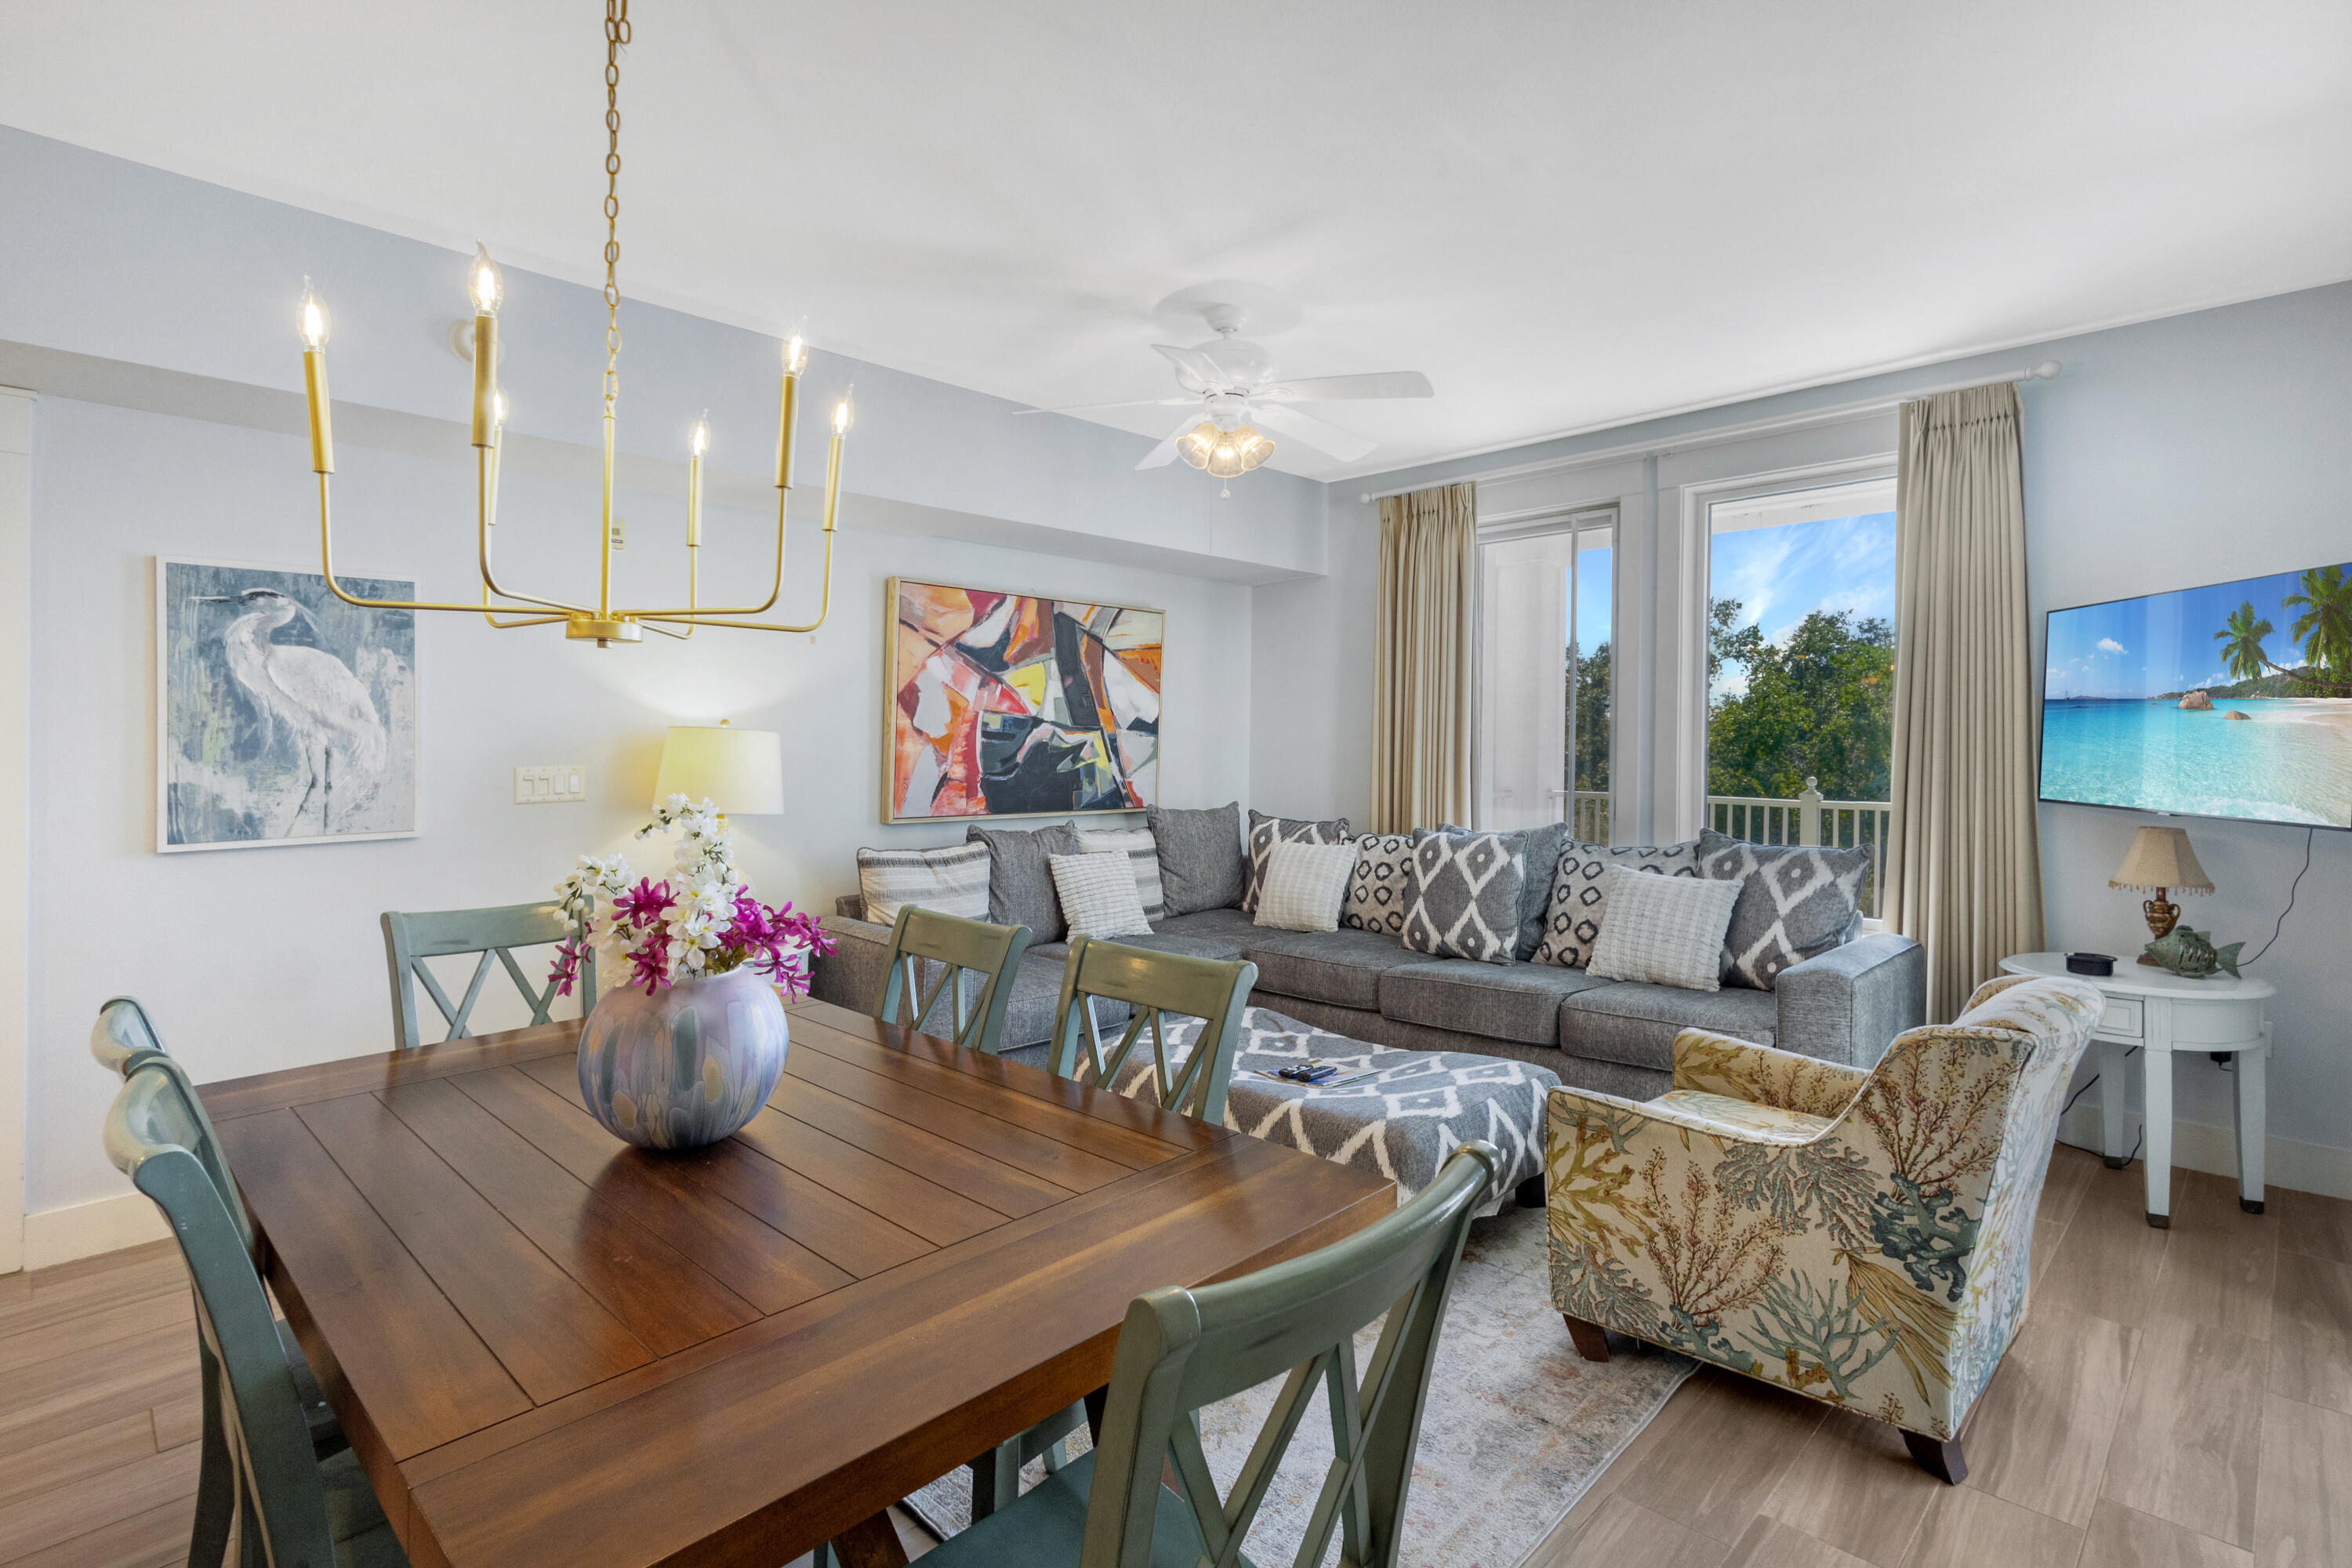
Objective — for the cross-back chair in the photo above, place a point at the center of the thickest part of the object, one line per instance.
(125, 1040)
(974, 964)
(410, 939)
(1154, 983)
(1180, 1349)
(290, 1507)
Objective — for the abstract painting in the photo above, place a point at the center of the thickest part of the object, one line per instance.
(1010, 705)
(283, 715)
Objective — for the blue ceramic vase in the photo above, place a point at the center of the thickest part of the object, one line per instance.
(686, 1066)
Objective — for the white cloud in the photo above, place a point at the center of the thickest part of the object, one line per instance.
(2109, 644)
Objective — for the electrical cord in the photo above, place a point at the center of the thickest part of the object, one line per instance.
(2087, 1087)
(2309, 838)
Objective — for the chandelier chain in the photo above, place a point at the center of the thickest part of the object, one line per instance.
(617, 36)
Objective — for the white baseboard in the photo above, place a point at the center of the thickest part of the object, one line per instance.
(85, 1230)
(2198, 1146)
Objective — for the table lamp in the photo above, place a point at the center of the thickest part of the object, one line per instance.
(736, 770)
(2161, 860)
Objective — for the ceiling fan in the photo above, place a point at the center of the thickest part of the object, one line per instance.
(1231, 388)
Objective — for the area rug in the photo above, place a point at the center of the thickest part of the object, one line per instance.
(1516, 1428)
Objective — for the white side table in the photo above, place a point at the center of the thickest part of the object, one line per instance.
(2162, 1013)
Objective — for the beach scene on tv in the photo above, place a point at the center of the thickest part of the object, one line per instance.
(2229, 701)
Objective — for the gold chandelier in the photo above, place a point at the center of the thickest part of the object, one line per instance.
(602, 621)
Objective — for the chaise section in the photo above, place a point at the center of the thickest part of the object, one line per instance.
(1634, 1023)
(1518, 1002)
(1848, 1004)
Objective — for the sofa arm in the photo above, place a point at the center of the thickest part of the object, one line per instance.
(1848, 1004)
(851, 975)
(1718, 1063)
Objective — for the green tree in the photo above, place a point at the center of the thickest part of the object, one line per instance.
(1589, 708)
(2324, 628)
(1819, 704)
(2241, 637)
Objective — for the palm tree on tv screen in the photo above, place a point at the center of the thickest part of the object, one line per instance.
(2324, 628)
(2241, 637)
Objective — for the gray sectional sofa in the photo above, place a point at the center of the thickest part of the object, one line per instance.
(1612, 1035)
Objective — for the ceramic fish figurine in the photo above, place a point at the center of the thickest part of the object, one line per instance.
(2191, 954)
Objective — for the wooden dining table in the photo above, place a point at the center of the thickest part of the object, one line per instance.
(549, 1348)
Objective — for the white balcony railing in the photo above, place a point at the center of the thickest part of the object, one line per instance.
(1810, 819)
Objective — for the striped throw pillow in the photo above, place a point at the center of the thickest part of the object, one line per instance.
(952, 880)
(1304, 885)
(1098, 896)
(1142, 852)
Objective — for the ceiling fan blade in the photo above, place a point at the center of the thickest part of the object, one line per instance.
(1163, 454)
(1196, 370)
(1344, 445)
(1338, 388)
(1137, 403)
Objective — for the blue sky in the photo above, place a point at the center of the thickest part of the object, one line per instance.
(1782, 574)
(1592, 598)
(2145, 648)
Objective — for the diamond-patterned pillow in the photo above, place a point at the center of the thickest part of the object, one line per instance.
(1796, 902)
(1580, 894)
(1265, 832)
(1382, 885)
(1464, 900)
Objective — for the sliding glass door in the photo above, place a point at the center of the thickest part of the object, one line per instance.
(1544, 695)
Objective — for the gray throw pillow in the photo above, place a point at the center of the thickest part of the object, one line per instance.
(1265, 832)
(1539, 850)
(1796, 902)
(1201, 861)
(1578, 896)
(1381, 886)
(1464, 900)
(1020, 882)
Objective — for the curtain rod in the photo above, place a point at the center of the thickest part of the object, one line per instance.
(1725, 435)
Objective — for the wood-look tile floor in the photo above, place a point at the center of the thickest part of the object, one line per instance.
(2179, 1397)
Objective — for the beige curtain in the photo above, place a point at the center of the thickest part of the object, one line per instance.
(1424, 658)
(1963, 870)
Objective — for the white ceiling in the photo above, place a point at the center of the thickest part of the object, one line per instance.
(1567, 214)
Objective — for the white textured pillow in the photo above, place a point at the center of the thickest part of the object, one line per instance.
(1664, 930)
(1142, 852)
(1098, 897)
(1304, 885)
(950, 881)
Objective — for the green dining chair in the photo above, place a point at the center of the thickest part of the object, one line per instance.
(1153, 984)
(925, 943)
(123, 1039)
(410, 939)
(1180, 1350)
(290, 1507)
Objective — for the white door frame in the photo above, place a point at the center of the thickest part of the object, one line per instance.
(15, 805)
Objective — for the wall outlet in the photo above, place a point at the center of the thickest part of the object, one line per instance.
(620, 532)
(550, 782)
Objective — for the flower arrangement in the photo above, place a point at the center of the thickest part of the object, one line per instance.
(699, 921)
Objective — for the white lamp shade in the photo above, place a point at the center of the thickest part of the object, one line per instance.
(741, 771)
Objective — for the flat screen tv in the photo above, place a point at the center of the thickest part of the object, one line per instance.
(2231, 700)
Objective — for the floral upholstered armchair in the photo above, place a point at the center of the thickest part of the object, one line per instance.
(1861, 1236)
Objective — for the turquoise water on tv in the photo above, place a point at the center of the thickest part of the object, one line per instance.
(2157, 756)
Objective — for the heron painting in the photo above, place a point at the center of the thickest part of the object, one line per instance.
(286, 716)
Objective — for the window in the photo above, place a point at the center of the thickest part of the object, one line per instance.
(1546, 607)
(1800, 666)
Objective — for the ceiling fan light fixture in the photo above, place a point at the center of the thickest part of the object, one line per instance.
(1225, 454)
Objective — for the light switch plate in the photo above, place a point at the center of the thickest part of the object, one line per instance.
(550, 783)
